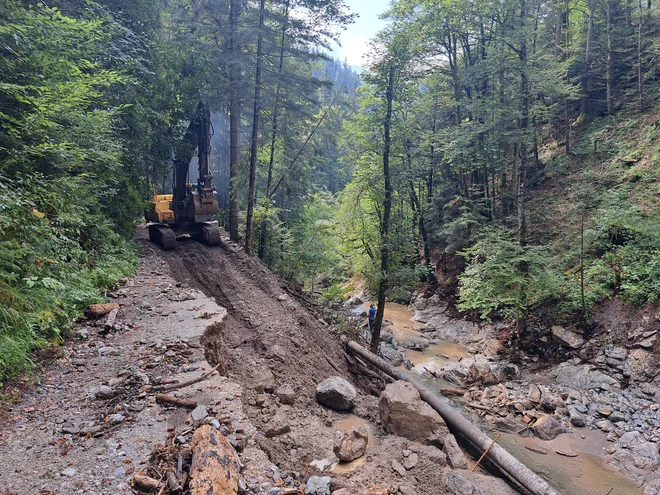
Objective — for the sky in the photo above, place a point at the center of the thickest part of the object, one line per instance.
(355, 40)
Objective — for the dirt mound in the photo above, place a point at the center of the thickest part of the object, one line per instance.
(269, 338)
(266, 326)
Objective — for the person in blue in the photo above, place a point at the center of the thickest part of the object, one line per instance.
(372, 317)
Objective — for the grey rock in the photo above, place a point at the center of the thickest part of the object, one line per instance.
(70, 429)
(583, 377)
(634, 456)
(199, 413)
(416, 343)
(463, 482)
(411, 461)
(387, 337)
(398, 468)
(104, 392)
(79, 362)
(395, 357)
(318, 485)
(107, 351)
(68, 472)
(455, 457)
(652, 487)
(567, 337)
(616, 353)
(286, 394)
(355, 300)
(115, 419)
(577, 418)
(336, 393)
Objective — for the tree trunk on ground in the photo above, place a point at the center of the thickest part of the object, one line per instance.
(385, 225)
(234, 122)
(255, 132)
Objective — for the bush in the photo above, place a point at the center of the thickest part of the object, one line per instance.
(56, 257)
(502, 276)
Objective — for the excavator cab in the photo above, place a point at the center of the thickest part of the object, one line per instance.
(190, 210)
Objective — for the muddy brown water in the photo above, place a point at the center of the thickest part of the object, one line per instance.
(571, 464)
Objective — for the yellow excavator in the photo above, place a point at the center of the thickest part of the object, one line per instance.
(191, 208)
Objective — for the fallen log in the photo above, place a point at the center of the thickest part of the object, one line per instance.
(97, 310)
(176, 401)
(501, 458)
(215, 467)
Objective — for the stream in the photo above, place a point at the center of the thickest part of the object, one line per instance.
(572, 463)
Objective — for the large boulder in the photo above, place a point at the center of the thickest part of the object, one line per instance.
(318, 485)
(403, 413)
(583, 377)
(652, 487)
(416, 343)
(352, 444)
(547, 428)
(336, 393)
(634, 456)
(462, 482)
(567, 337)
(391, 354)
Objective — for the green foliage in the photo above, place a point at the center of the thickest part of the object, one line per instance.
(334, 293)
(502, 276)
(56, 257)
(66, 188)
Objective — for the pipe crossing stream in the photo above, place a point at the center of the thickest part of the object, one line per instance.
(511, 466)
(570, 464)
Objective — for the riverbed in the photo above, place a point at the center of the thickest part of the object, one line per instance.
(572, 463)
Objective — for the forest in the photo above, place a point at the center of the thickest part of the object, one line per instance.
(506, 153)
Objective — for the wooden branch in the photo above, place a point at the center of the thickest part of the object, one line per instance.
(145, 482)
(486, 452)
(176, 401)
(175, 386)
(172, 482)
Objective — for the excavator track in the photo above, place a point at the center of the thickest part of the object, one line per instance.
(210, 235)
(163, 236)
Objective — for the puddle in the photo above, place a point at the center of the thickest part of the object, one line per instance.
(584, 474)
(345, 425)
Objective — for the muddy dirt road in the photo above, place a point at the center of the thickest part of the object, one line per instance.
(90, 422)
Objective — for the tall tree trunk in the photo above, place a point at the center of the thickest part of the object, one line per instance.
(255, 132)
(522, 170)
(419, 214)
(609, 74)
(234, 122)
(587, 59)
(385, 224)
(639, 57)
(273, 136)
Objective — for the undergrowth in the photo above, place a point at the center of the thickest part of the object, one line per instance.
(57, 255)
